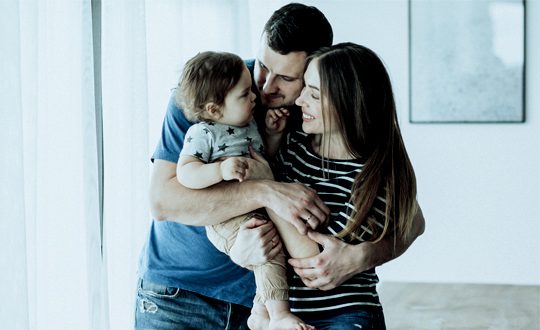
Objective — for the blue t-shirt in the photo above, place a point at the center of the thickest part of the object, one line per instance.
(181, 256)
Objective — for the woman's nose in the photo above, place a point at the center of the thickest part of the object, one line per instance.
(299, 100)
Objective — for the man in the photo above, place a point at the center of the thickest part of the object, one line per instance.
(187, 283)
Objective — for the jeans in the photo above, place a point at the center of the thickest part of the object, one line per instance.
(373, 320)
(161, 307)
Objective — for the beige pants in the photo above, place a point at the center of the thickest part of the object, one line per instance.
(270, 278)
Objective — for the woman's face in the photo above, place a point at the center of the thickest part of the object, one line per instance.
(310, 101)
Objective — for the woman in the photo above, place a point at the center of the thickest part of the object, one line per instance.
(352, 153)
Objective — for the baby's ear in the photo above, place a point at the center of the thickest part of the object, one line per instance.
(212, 110)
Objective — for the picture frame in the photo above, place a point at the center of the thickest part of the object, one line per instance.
(466, 61)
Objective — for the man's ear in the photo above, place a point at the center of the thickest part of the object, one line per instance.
(212, 110)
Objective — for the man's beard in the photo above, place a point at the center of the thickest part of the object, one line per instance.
(289, 104)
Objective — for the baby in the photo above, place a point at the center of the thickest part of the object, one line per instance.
(215, 93)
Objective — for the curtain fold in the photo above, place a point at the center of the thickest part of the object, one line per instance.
(50, 220)
(12, 221)
(56, 274)
(126, 159)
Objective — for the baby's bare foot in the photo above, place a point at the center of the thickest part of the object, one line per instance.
(259, 319)
(287, 321)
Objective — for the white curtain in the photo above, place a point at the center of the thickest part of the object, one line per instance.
(59, 268)
(51, 259)
(126, 158)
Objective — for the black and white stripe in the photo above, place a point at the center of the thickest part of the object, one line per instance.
(296, 162)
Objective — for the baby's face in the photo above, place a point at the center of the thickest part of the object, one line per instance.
(237, 110)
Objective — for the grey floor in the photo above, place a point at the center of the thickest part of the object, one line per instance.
(460, 306)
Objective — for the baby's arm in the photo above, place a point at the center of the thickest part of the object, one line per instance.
(195, 174)
(276, 121)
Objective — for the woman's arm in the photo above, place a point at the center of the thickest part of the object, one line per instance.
(340, 261)
(298, 245)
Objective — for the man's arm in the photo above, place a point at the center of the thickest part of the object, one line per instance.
(169, 200)
(390, 248)
(340, 261)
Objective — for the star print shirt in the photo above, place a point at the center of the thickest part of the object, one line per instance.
(209, 141)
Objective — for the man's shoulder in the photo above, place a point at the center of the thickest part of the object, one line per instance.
(250, 63)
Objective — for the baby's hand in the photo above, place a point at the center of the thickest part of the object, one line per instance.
(276, 120)
(235, 168)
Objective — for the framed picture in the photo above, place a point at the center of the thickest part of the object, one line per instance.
(467, 61)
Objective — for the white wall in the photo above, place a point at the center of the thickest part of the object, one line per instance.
(479, 184)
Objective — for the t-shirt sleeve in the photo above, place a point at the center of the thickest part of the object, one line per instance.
(198, 142)
(175, 126)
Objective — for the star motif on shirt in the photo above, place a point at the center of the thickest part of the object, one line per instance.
(230, 131)
(261, 149)
(206, 130)
(198, 155)
(189, 139)
(248, 139)
(223, 147)
(211, 123)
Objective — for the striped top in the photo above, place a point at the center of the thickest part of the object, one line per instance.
(297, 162)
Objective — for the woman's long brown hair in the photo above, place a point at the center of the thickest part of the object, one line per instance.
(356, 89)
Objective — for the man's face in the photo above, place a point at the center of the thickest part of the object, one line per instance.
(278, 77)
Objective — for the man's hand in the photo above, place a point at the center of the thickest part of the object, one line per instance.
(337, 263)
(256, 243)
(258, 166)
(297, 204)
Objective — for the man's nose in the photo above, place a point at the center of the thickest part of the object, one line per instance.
(269, 85)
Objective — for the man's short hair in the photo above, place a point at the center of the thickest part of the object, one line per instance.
(296, 27)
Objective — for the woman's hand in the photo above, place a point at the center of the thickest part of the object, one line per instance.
(256, 243)
(337, 263)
